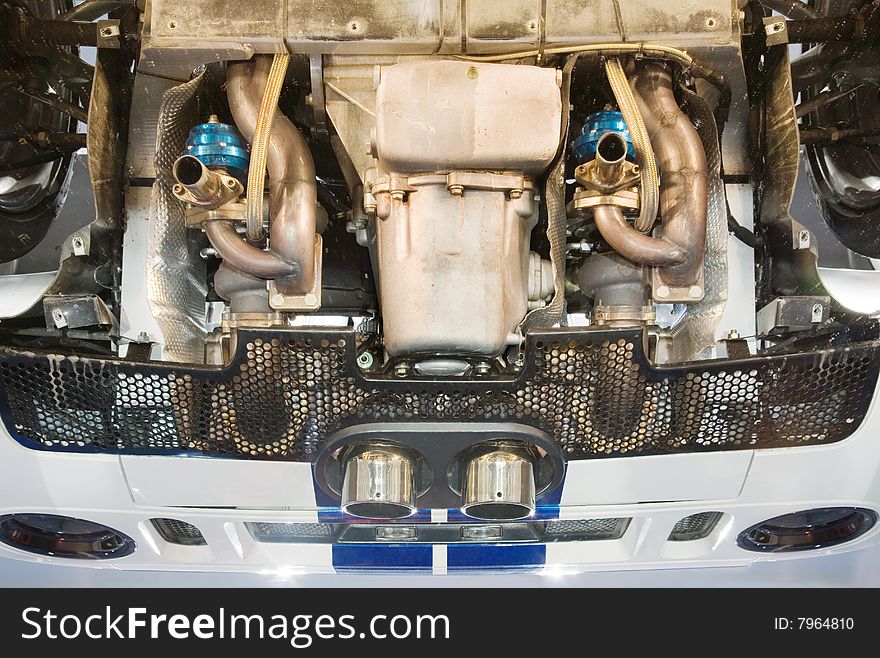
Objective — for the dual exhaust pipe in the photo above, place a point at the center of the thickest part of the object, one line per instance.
(497, 481)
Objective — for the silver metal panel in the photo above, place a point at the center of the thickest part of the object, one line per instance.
(186, 21)
(175, 274)
(444, 115)
(144, 123)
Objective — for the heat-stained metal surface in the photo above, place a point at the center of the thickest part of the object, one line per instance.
(696, 331)
(432, 26)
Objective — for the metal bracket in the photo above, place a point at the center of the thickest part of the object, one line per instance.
(316, 99)
(235, 211)
(795, 313)
(775, 30)
(628, 199)
(663, 293)
(109, 34)
(76, 311)
(310, 301)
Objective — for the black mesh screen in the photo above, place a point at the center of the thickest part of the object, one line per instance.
(175, 531)
(285, 392)
(695, 526)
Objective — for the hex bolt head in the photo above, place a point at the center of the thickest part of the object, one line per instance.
(662, 292)
(456, 190)
(397, 195)
(277, 299)
(695, 291)
(401, 369)
(311, 299)
(482, 368)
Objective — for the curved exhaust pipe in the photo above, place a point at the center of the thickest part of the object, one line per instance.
(499, 483)
(680, 248)
(684, 191)
(293, 195)
(378, 482)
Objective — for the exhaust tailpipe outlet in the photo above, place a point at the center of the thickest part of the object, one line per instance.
(378, 482)
(499, 483)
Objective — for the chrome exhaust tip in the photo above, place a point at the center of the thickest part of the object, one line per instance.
(378, 482)
(499, 484)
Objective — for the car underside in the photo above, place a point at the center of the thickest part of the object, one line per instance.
(365, 279)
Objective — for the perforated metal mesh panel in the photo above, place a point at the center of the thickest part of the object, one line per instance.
(175, 531)
(695, 526)
(586, 529)
(282, 532)
(284, 393)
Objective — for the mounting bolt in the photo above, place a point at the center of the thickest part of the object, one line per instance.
(733, 334)
(516, 194)
(695, 291)
(456, 190)
(401, 369)
(311, 299)
(143, 337)
(397, 195)
(816, 313)
(277, 299)
(365, 360)
(662, 292)
(482, 368)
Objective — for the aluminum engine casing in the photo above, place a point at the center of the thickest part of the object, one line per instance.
(458, 146)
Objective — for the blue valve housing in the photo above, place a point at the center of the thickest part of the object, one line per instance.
(219, 146)
(596, 126)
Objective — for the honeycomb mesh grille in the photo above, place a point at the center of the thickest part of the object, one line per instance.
(285, 393)
(695, 526)
(175, 531)
(281, 532)
(586, 529)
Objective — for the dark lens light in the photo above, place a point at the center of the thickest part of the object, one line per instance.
(63, 536)
(810, 529)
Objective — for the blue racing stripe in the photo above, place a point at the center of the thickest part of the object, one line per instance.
(382, 557)
(495, 557)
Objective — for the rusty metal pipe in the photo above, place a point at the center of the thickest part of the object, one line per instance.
(684, 190)
(293, 192)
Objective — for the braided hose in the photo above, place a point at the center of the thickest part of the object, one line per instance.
(649, 194)
(260, 146)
